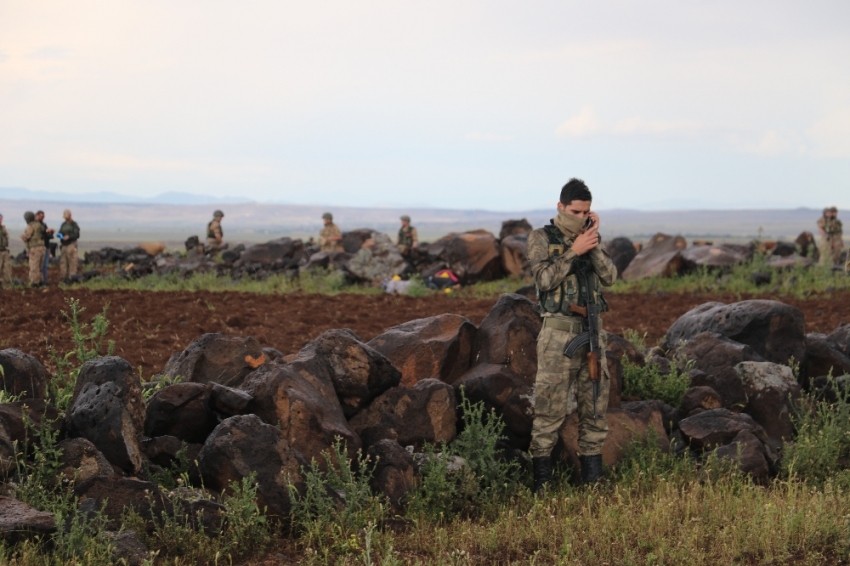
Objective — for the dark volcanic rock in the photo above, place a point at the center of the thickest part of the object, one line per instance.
(393, 475)
(715, 357)
(220, 358)
(772, 390)
(514, 227)
(108, 410)
(662, 256)
(514, 251)
(81, 461)
(19, 521)
(700, 398)
(824, 356)
(22, 374)
(300, 399)
(181, 410)
(775, 331)
(410, 415)
(358, 372)
(717, 427)
(616, 347)
(119, 494)
(749, 454)
(438, 347)
(227, 401)
(508, 336)
(472, 256)
(243, 445)
(622, 252)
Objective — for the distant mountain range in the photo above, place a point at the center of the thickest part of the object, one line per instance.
(16, 193)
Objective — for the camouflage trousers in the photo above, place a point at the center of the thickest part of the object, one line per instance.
(830, 251)
(36, 261)
(212, 246)
(68, 261)
(5, 268)
(562, 386)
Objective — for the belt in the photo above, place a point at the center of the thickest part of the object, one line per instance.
(563, 324)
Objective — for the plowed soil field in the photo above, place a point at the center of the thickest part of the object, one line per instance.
(149, 326)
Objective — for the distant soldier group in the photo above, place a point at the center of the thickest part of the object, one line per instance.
(330, 237)
(831, 236)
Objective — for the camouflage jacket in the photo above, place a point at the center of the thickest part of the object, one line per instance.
(832, 227)
(214, 230)
(407, 237)
(34, 235)
(4, 239)
(325, 243)
(552, 272)
(70, 229)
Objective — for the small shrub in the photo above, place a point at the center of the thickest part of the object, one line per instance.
(649, 382)
(637, 339)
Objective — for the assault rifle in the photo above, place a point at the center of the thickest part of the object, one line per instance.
(589, 337)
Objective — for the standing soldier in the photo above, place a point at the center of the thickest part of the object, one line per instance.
(831, 236)
(33, 238)
(569, 265)
(408, 239)
(330, 236)
(48, 235)
(215, 235)
(5, 258)
(69, 233)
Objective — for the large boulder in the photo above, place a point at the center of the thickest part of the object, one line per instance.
(792, 261)
(661, 257)
(716, 256)
(300, 399)
(410, 415)
(107, 409)
(775, 331)
(437, 347)
(617, 347)
(715, 358)
(393, 474)
(698, 399)
(358, 372)
(244, 445)
(19, 422)
(220, 358)
(19, 521)
(509, 394)
(472, 256)
(622, 252)
(514, 251)
(824, 356)
(772, 390)
(115, 495)
(841, 338)
(717, 427)
(326, 260)
(514, 227)
(22, 374)
(508, 336)
(353, 240)
(274, 251)
(81, 461)
(807, 246)
(181, 410)
(377, 259)
(624, 428)
(7, 452)
(749, 455)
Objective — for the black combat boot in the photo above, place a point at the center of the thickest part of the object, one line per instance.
(542, 472)
(591, 468)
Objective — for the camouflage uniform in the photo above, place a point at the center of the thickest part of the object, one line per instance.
(833, 244)
(215, 234)
(36, 250)
(325, 243)
(563, 384)
(5, 259)
(68, 259)
(407, 239)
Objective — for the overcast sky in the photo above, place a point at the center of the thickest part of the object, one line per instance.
(494, 105)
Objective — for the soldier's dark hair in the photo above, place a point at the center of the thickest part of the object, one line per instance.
(575, 189)
(39, 212)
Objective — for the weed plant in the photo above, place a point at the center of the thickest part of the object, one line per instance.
(650, 382)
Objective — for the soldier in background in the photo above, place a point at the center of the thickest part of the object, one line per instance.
(330, 237)
(215, 235)
(408, 239)
(69, 233)
(831, 233)
(5, 258)
(48, 235)
(33, 238)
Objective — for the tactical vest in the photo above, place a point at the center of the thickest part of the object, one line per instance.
(37, 238)
(211, 233)
(557, 300)
(72, 230)
(4, 239)
(405, 237)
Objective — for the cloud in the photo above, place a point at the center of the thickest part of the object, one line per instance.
(582, 124)
(830, 137)
(642, 126)
(479, 136)
(49, 52)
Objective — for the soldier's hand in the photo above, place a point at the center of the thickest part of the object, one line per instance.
(586, 242)
(595, 218)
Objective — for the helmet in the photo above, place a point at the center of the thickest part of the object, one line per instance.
(218, 214)
(405, 218)
(833, 209)
(328, 216)
(29, 216)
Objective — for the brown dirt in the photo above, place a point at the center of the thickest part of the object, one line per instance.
(149, 326)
